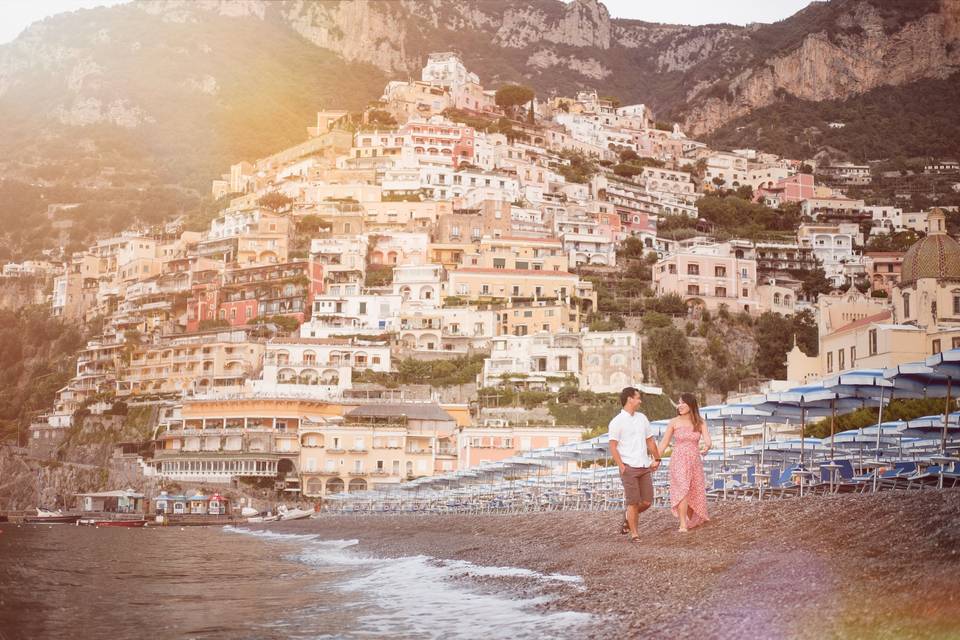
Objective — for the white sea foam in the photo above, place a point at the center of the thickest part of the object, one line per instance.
(421, 596)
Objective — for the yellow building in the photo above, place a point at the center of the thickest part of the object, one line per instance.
(320, 446)
(198, 362)
(923, 318)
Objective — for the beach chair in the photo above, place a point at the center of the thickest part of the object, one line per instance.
(898, 477)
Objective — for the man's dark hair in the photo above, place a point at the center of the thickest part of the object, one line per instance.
(626, 394)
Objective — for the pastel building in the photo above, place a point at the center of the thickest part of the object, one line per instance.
(478, 444)
(708, 276)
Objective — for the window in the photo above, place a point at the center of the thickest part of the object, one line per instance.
(693, 269)
(721, 292)
(499, 263)
(935, 347)
(829, 361)
(841, 355)
(363, 308)
(485, 289)
(956, 303)
(693, 290)
(873, 342)
(906, 305)
(853, 356)
(672, 268)
(515, 290)
(720, 272)
(955, 343)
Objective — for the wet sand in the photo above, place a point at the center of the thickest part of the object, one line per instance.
(849, 566)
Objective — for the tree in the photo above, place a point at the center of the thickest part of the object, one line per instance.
(381, 117)
(814, 282)
(675, 364)
(723, 380)
(625, 170)
(775, 336)
(628, 154)
(275, 201)
(511, 96)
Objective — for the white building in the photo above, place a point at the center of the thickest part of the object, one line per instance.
(604, 361)
(360, 314)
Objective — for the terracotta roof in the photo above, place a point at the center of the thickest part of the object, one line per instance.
(310, 341)
(862, 322)
(522, 239)
(532, 272)
(411, 410)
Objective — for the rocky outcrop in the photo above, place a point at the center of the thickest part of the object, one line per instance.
(825, 68)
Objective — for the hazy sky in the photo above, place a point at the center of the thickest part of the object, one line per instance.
(16, 15)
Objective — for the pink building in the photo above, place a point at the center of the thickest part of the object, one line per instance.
(791, 189)
(492, 444)
(708, 276)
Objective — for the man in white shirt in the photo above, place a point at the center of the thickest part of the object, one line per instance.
(634, 449)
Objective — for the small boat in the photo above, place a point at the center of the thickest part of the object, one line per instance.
(93, 522)
(45, 516)
(296, 514)
(272, 518)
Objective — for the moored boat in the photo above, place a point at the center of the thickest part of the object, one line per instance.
(95, 522)
(51, 517)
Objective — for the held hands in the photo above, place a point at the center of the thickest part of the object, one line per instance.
(655, 464)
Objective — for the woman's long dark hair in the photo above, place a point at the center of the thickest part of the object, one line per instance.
(691, 401)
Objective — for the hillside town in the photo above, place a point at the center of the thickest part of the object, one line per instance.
(459, 223)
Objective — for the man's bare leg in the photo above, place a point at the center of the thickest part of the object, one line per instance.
(633, 516)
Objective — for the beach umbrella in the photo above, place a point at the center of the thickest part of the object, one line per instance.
(813, 400)
(947, 364)
(869, 385)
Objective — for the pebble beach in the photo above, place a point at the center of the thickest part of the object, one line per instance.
(846, 566)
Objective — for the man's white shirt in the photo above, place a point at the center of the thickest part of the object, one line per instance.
(631, 433)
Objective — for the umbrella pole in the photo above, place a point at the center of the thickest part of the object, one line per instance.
(763, 448)
(876, 470)
(946, 418)
(803, 429)
(723, 427)
(833, 417)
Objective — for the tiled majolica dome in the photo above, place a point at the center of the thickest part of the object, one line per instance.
(935, 256)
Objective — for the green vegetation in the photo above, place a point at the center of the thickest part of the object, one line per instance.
(915, 119)
(580, 168)
(511, 96)
(895, 410)
(775, 335)
(436, 373)
(38, 355)
(378, 275)
(898, 241)
(287, 324)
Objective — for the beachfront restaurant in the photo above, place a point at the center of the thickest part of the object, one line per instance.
(121, 501)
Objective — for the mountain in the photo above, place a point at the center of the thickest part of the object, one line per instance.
(173, 91)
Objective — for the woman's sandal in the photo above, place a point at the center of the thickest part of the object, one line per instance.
(634, 539)
(624, 528)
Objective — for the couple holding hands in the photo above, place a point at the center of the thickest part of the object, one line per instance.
(636, 452)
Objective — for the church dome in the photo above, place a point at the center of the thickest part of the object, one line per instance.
(935, 256)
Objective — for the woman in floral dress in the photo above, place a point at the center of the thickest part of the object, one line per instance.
(688, 489)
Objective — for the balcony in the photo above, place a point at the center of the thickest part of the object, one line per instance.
(360, 451)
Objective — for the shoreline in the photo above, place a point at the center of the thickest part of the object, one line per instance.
(844, 566)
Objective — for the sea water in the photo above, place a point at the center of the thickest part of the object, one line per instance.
(61, 581)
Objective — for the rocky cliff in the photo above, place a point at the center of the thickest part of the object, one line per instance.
(862, 57)
(181, 88)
